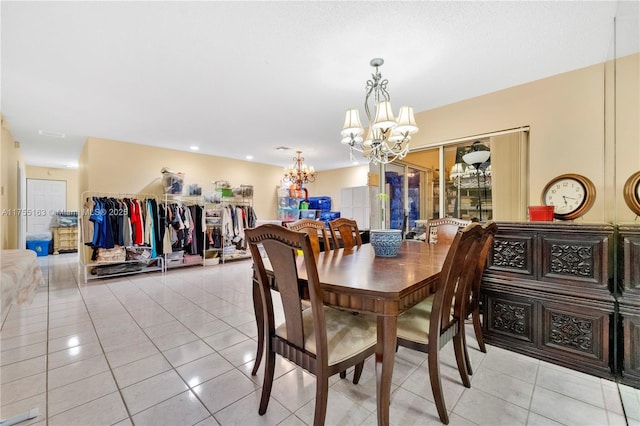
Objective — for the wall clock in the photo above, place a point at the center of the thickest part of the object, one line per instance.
(632, 193)
(572, 195)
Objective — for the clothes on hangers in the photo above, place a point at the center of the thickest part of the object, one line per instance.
(183, 228)
(121, 222)
(235, 219)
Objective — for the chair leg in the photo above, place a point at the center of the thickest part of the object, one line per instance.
(465, 349)
(436, 385)
(259, 313)
(477, 327)
(322, 394)
(269, 369)
(458, 346)
(343, 374)
(358, 372)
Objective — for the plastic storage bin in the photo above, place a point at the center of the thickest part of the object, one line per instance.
(327, 217)
(308, 214)
(41, 247)
(172, 182)
(288, 215)
(320, 203)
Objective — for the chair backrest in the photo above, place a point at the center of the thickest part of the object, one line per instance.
(456, 276)
(347, 230)
(317, 233)
(490, 228)
(443, 230)
(281, 246)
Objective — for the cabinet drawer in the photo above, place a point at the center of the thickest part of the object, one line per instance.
(67, 231)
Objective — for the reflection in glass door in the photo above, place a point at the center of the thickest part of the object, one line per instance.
(468, 195)
(415, 188)
(394, 189)
(405, 190)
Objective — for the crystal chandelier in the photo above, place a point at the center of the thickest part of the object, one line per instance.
(298, 173)
(387, 138)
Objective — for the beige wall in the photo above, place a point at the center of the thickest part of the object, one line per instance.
(70, 176)
(113, 166)
(83, 172)
(10, 157)
(566, 115)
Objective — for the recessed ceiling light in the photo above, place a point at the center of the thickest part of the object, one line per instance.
(51, 134)
(194, 148)
(249, 157)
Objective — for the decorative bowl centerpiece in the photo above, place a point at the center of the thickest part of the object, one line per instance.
(385, 242)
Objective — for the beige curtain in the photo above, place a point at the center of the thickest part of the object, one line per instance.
(509, 173)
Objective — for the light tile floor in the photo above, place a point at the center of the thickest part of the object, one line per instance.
(177, 349)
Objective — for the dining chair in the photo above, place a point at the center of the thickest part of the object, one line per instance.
(347, 230)
(317, 233)
(430, 324)
(443, 230)
(473, 306)
(322, 340)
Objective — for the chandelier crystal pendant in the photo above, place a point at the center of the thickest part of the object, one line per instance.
(298, 173)
(387, 138)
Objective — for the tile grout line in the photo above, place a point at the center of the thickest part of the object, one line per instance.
(624, 410)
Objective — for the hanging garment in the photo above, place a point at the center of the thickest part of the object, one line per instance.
(126, 224)
(158, 227)
(136, 223)
(240, 227)
(149, 229)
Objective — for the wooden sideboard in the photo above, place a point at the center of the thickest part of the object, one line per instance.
(548, 293)
(65, 238)
(629, 302)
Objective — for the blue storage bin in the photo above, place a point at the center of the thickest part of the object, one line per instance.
(41, 247)
(320, 203)
(327, 217)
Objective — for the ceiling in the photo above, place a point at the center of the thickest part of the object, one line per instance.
(243, 78)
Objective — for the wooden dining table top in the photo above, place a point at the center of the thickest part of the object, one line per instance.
(357, 279)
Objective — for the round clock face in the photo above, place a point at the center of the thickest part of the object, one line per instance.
(632, 192)
(571, 195)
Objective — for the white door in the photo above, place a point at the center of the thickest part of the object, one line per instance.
(355, 204)
(44, 198)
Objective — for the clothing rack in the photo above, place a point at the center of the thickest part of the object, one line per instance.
(170, 257)
(228, 249)
(87, 234)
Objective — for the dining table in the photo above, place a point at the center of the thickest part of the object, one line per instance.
(358, 280)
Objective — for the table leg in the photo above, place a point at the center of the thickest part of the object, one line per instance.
(385, 355)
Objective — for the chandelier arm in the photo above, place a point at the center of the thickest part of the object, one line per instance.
(370, 87)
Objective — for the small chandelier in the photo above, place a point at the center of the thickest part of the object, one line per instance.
(387, 138)
(298, 173)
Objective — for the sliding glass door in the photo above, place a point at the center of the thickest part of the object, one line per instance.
(405, 195)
